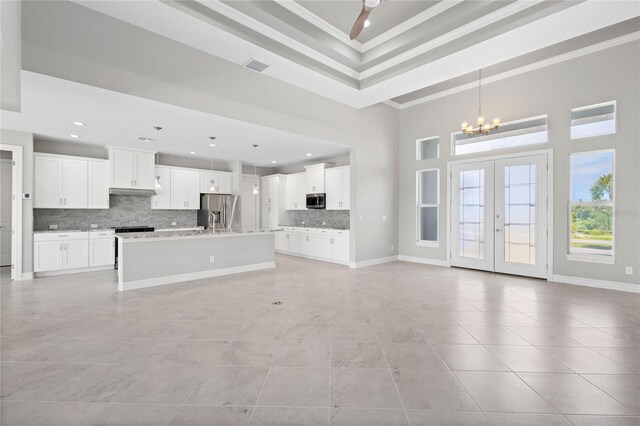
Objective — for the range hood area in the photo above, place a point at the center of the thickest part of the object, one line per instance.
(132, 191)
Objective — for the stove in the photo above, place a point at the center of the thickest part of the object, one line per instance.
(122, 229)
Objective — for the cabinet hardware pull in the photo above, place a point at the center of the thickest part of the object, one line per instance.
(60, 201)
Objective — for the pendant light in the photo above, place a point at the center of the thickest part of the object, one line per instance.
(158, 184)
(482, 128)
(255, 170)
(212, 182)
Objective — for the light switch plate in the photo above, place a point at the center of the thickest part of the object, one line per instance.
(53, 226)
(174, 223)
(628, 270)
(94, 226)
(212, 259)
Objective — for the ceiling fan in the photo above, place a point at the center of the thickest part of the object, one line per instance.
(367, 7)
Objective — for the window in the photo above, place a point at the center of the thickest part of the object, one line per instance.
(530, 131)
(428, 148)
(593, 120)
(591, 204)
(428, 206)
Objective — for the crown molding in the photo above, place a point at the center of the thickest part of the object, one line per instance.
(627, 38)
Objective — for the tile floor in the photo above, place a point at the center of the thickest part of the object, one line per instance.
(394, 344)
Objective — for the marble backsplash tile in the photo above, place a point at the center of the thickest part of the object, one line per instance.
(124, 210)
(336, 219)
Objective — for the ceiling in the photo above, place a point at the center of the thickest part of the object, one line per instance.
(51, 105)
(410, 45)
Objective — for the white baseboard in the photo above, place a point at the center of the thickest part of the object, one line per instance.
(424, 260)
(172, 279)
(319, 259)
(589, 282)
(26, 276)
(372, 262)
(71, 271)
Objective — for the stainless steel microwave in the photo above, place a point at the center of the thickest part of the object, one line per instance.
(316, 201)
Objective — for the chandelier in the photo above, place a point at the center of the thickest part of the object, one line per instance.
(482, 128)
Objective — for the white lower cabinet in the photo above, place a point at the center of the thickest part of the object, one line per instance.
(60, 251)
(330, 245)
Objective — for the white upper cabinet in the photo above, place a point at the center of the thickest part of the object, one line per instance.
(162, 199)
(295, 193)
(131, 169)
(98, 193)
(185, 185)
(315, 178)
(60, 182)
(338, 188)
(270, 186)
(222, 182)
(48, 182)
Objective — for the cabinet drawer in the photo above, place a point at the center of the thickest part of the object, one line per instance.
(60, 236)
(101, 235)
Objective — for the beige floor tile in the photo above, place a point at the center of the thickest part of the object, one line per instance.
(604, 420)
(419, 356)
(229, 386)
(357, 355)
(500, 391)
(206, 415)
(527, 359)
(519, 419)
(470, 357)
(303, 353)
(299, 387)
(368, 417)
(446, 333)
(584, 360)
(276, 416)
(625, 389)
(432, 390)
(494, 335)
(363, 388)
(449, 418)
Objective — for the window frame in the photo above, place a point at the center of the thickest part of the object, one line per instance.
(601, 104)
(419, 148)
(427, 243)
(497, 151)
(585, 257)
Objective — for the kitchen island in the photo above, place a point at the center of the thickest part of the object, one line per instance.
(148, 259)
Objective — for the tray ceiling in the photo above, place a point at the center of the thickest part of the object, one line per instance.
(410, 45)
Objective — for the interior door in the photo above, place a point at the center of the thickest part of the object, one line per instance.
(499, 215)
(521, 216)
(6, 207)
(472, 215)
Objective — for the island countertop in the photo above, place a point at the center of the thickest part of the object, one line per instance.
(187, 234)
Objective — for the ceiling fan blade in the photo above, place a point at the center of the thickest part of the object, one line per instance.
(359, 24)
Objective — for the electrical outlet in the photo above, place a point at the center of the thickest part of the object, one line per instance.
(174, 223)
(53, 226)
(94, 226)
(628, 270)
(212, 259)
(324, 223)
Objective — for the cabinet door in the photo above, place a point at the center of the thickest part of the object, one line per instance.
(291, 186)
(102, 251)
(308, 245)
(333, 187)
(47, 256)
(301, 193)
(269, 217)
(48, 182)
(205, 182)
(224, 183)
(145, 167)
(122, 168)
(178, 189)
(162, 199)
(345, 188)
(315, 179)
(340, 249)
(268, 191)
(324, 246)
(75, 188)
(75, 254)
(98, 193)
(192, 190)
(281, 241)
(293, 242)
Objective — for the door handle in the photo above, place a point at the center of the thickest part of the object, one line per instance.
(498, 230)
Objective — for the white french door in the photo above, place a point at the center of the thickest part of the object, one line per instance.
(499, 215)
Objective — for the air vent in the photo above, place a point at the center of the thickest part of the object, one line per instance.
(256, 65)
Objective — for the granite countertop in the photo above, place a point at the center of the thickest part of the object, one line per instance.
(188, 234)
(316, 227)
(50, 231)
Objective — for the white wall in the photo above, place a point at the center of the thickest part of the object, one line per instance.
(71, 42)
(10, 54)
(604, 76)
(11, 137)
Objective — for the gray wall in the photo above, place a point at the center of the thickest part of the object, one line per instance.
(71, 42)
(10, 54)
(25, 140)
(604, 76)
(124, 210)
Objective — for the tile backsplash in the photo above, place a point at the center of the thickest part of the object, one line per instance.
(124, 210)
(336, 219)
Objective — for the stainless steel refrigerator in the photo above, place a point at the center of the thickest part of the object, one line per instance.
(220, 212)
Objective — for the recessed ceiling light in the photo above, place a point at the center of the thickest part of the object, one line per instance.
(212, 144)
(367, 23)
(274, 162)
(74, 136)
(192, 152)
(308, 154)
(79, 123)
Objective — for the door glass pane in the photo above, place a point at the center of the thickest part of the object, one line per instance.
(471, 205)
(519, 214)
